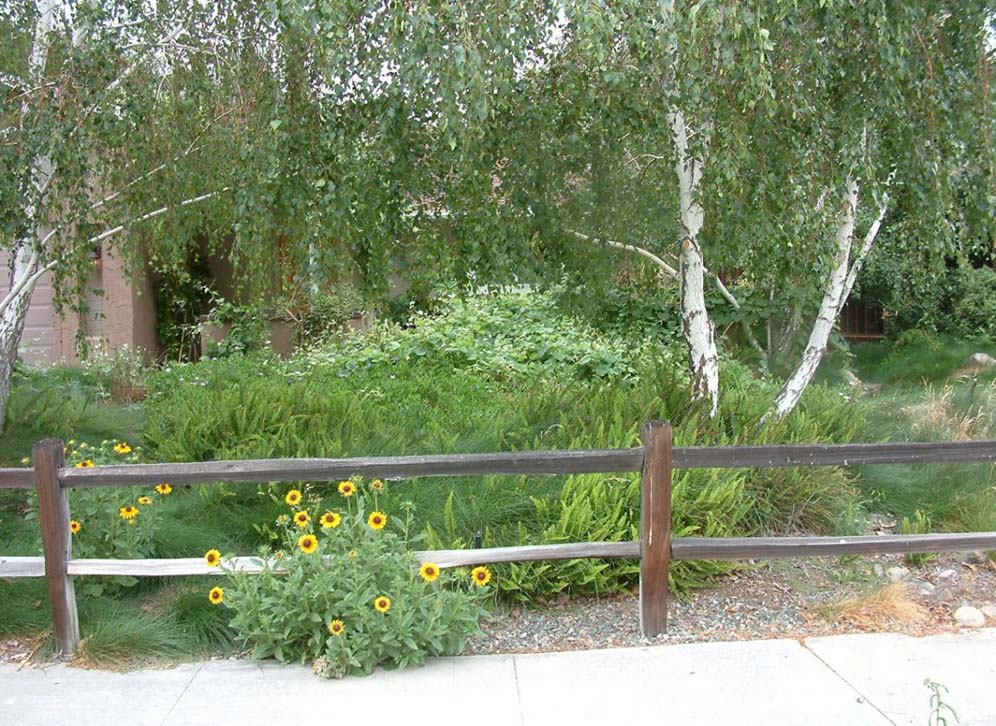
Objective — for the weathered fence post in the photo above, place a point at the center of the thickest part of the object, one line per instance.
(53, 516)
(655, 527)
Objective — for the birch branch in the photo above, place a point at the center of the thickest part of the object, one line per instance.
(150, 215)
(21, 284)
(665, 269)
(728, 296)
(28, 281)
(124, 75)
(868, 242)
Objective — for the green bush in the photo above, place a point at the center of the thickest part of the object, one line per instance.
(974, 312)
(351, 595)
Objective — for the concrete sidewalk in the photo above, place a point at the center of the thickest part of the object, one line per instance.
(849, 679)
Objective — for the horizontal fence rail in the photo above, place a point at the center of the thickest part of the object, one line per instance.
(597, 461)
(266, 470)
(17, 478)
(725, 457)
(682, 548)
(655, 459)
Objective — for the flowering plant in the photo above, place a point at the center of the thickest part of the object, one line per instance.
(346, 591)
(109, 523)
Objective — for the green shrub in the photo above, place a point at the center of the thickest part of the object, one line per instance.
(350, 595)
(974, 311)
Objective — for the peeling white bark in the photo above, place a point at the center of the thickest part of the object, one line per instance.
(26, 252)
(699, 332)
(826, 318)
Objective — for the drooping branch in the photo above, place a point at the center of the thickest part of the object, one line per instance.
(27, 282)
(729, 297)
(150, 215)
(665, 269)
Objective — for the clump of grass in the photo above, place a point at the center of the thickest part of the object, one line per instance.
(888, 607)
(936, 415)
(187, 603)
(119, 635)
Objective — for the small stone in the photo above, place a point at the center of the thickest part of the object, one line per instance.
(946, 574)
(924, 588)
(969, 617)
(989, 611)
(878, 570)
(897, 574)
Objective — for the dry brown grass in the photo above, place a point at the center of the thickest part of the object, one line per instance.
(936, 413)
(889, 607)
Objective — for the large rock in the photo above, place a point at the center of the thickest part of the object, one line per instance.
(989, 611)
(980, 361)
(968, 617)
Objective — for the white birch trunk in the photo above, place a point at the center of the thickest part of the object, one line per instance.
(833, 299)
(25, 254)
(699, 332)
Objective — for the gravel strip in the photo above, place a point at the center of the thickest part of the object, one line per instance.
(785, 599)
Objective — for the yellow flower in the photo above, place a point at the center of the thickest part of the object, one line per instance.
(337, 627)
(330, 520)
(429, 571)
(301, 519)
(128, 512)
(382, 604)
(85, 464)
(83, 445)
(347, 488)
(293, 497)
(308, 543)
(74, 526)
(145, 500)
(377, 520)
(26, 460)
(121, 448)
(282, 519)
(352, 554)
(72, 442)
(216, 596)
(377, 484)
(481, 576)
(213, 558)
(164, 489)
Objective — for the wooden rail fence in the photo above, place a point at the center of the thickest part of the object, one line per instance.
(656, 459)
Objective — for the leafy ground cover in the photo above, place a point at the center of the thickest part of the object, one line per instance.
(512, 372)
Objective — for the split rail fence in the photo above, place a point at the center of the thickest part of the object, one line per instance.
(656, 459)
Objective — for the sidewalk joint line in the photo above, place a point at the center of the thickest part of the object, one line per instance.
(518, 693)
(805, 646)
(182, 693)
